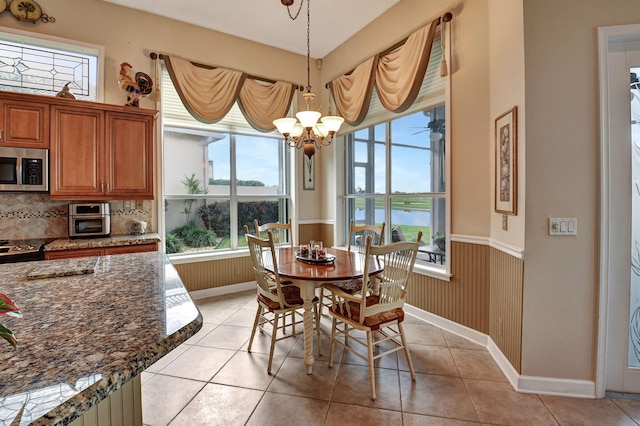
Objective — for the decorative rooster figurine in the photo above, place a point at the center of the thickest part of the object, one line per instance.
(138, 86)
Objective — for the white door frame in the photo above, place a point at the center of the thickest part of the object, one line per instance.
(605, 36)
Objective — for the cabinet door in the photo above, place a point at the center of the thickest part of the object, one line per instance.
(130, 152)
(77, 154)
(68, 254)
(137, 248)
(24, 124)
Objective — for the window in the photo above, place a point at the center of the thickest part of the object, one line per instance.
(218, 178)
(44, 66)
(395, 172)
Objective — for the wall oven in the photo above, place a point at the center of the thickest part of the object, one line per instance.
(89, 220)
(24, 169)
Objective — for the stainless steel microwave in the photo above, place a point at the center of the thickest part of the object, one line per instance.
(24, 169)
(89, 220)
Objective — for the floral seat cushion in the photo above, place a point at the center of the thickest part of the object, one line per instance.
(291, 295)
(373, 321)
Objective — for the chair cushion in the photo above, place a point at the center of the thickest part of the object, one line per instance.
(374, 322)
(351, 286)
(291, 295)
(272, 277)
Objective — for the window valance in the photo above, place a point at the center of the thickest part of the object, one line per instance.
(397, 75)
(209, 93)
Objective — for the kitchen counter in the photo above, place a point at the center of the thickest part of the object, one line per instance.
(85, 336)
(112, 241)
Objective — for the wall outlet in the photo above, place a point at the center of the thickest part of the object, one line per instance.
(126, 205)
(563, 226)
(139, 204)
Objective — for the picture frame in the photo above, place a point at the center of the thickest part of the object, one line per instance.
(506, 164)
(308, 172)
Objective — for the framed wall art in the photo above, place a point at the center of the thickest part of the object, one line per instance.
(308, 172)
(506, 177)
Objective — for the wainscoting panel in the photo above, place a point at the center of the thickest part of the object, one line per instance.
(505, 326)
(464, 299)
(215, 273)
(316, 231)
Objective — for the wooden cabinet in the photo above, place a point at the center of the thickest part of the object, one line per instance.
(68, 254)
(24, 124)
(76, 153)
(129, 156)
(101, 155)
(99, 251)
(97, 151)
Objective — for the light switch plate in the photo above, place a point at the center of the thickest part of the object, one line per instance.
(563, 226)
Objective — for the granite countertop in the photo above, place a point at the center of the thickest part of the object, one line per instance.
(83, 336)
(112, 241)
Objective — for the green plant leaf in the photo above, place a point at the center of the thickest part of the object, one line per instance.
(7, 335)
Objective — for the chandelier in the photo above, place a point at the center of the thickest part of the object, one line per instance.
(309, 131)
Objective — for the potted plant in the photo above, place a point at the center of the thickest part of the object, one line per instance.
(440, 240)
(7, 307)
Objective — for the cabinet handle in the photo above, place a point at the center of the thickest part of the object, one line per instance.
(1, 136)
(102, 187)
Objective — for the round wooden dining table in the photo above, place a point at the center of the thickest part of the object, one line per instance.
(309, 275)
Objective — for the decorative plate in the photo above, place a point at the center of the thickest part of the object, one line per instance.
(3, 6)
(25, 10)
(328, 258)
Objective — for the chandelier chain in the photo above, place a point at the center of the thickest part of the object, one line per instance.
(308, 46)
(293, 18)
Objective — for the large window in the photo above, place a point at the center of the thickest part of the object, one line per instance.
(395, 173)
(218, 178)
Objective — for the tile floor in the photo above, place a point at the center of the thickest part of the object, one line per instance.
(212, 380)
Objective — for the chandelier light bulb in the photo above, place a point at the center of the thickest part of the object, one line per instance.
(321, 130)
(297, 130)
(332, 122)
(308, 119)
(285, 125)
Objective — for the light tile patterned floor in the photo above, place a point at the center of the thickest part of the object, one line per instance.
(212, 380)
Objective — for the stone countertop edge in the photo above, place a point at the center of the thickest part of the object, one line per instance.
(97, 333)
(77, 405)
(112, 241)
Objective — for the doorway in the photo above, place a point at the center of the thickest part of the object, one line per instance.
(619, 325)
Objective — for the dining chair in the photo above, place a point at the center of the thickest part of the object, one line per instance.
(379, 315)
(281, 232)
(274, 298)
(357, 236)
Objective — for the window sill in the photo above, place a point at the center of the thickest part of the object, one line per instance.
(432, 271)
(181, 258)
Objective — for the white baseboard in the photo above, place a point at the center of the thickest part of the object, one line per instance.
(524, 384)
(219, 291)
(557, 386)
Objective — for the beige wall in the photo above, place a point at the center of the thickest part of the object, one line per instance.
(506, 82)
(562, 179)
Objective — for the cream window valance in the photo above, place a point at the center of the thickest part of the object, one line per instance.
(396, 74)
(209, 93)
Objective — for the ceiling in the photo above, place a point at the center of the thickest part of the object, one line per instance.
(267, 21)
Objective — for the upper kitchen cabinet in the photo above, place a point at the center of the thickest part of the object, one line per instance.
(101, 153)
(25, 124)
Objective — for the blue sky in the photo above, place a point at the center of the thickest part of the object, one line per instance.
(411, 172)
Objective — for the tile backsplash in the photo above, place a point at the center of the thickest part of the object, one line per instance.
(28, 215)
